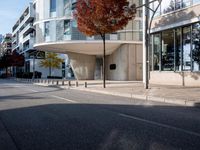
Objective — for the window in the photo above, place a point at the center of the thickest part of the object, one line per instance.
(52, 8)
(186, 3)
(168, 50)
(167, 6)
(186, 48)
(178, 49)
(67, 30)
(67, 7)
(46, 31)
(196, 47)
(196, 1)
(156, 51)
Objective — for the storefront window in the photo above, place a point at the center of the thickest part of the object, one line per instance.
(156, 51)
(178, 48)
(196, 47)
(186, 48)
(168, 50)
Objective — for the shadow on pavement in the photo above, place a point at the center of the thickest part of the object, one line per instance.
(102, 127)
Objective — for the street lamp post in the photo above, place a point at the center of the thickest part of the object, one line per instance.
(147, 28)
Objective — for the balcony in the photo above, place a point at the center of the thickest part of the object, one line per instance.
(30, 38)
(27, 29)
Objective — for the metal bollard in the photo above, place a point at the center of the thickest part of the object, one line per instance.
(48, 81)
(69, 83)
(57, 82)
(63, 82)
(76, 83)
(85, 84)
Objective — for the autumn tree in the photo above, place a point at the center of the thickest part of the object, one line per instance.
(101, 17)
(11, 60)
(51, 61)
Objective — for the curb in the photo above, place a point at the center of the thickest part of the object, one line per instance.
(183, 102)
(190, 103)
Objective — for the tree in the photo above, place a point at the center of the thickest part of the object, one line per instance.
(11, 60)
(101, 17)
(52, 61)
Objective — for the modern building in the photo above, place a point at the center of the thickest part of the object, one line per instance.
(175, 51)
(6, 44)
(56, 31)
(23, 33)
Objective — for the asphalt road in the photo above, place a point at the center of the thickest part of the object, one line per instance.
(43, 118)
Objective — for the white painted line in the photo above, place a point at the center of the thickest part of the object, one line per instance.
(160, 124)
(33, 90)
(71, 101)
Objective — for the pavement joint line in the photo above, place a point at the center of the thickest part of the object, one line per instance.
(160, 124)
(58, 97)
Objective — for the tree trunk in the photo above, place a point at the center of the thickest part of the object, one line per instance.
(104, 59)
(6, 71)
(50, 71)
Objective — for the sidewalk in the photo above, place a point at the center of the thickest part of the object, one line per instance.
(186, 96)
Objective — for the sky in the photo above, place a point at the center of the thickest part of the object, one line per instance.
(10, 11)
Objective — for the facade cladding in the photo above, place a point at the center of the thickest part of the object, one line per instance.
(23, 39)
(56, 30)
(55, 22)
(175, 43)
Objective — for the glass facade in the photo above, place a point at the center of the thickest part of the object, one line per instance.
(177, 49)
(53, 8)
(55, 22)
(172, 5)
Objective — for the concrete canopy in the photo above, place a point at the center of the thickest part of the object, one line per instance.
(81, 47)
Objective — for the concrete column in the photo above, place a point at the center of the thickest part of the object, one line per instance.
(83, 65)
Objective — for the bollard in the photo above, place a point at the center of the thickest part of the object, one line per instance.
(76, 83)
(57, 82)
(52, 81)
(63, 82)
(48, 81)
(69, 83)
(85, 84)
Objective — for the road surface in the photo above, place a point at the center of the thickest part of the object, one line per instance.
(49, 118)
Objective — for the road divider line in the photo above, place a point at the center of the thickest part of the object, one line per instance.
(160, 124)
(65, 99)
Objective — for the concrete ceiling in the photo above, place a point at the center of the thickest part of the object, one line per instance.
(82, 47)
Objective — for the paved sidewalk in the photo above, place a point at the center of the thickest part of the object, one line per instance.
(187, 96)
(169, 94)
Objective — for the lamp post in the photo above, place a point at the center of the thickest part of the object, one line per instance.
(146, 37)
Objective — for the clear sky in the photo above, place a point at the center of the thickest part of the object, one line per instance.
(10, 11)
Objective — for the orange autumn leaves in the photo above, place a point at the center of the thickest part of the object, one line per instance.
(99, 17)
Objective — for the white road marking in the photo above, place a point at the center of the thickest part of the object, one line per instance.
(160, 124)
(71, 101)
(33, 90)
